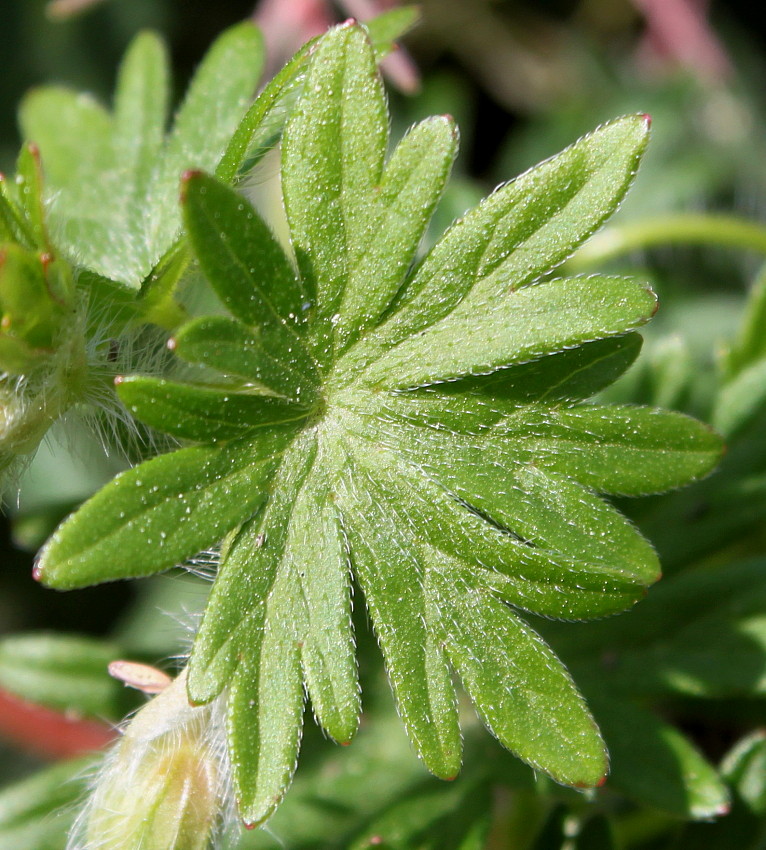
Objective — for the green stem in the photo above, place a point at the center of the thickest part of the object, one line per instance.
(725, 231)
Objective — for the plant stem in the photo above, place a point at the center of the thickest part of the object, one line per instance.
(725, 231)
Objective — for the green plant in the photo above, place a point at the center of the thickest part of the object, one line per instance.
(363, 416)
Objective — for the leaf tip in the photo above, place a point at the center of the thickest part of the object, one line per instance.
(119, 379)
(348, 23)
(171, 344)
(186, 178)
(37, 571)
(647, 118)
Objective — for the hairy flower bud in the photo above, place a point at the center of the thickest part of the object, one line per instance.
(164, 787)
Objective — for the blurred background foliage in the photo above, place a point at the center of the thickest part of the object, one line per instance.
(523, 79)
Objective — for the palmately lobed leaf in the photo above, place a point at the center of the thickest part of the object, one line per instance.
(415, 428)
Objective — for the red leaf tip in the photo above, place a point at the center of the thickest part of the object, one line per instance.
(37, 572)
(171, 344)
(647, 119)
(118, 380)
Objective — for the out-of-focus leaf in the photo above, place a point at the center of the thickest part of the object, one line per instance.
(744, 767)
(37, 813)
(741, 400)
(113, 179)
(431, 818)
(653, 763)
(65, 672)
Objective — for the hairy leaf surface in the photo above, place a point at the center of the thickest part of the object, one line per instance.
(413, 427)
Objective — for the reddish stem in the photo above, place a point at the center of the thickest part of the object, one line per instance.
(49, 733)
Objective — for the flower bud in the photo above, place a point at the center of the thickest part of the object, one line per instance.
(163, 788)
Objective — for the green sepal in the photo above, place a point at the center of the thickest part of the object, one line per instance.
(203, 414)
(36, 299)
(29, 187)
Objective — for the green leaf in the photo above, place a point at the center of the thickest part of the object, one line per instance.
(454, 506)
(241, 257)
(741, 399)
(522, 230)
(520, 688)
(262, 126)
(410, 186)
(388, 27)
(203, 413)
(519, 326)
(37, 813)
(113, 181)
(63, 672)
(155, 515)
(748, 347)
(235, 349)
(633, 451)
(652, 762)
(744, 767)
(569, 375)
(455, 818)
(683, 640)
(212, 108)
(326, 185)
(393, 577)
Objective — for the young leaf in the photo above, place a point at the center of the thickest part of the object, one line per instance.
(113, 179)
(423, 451)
